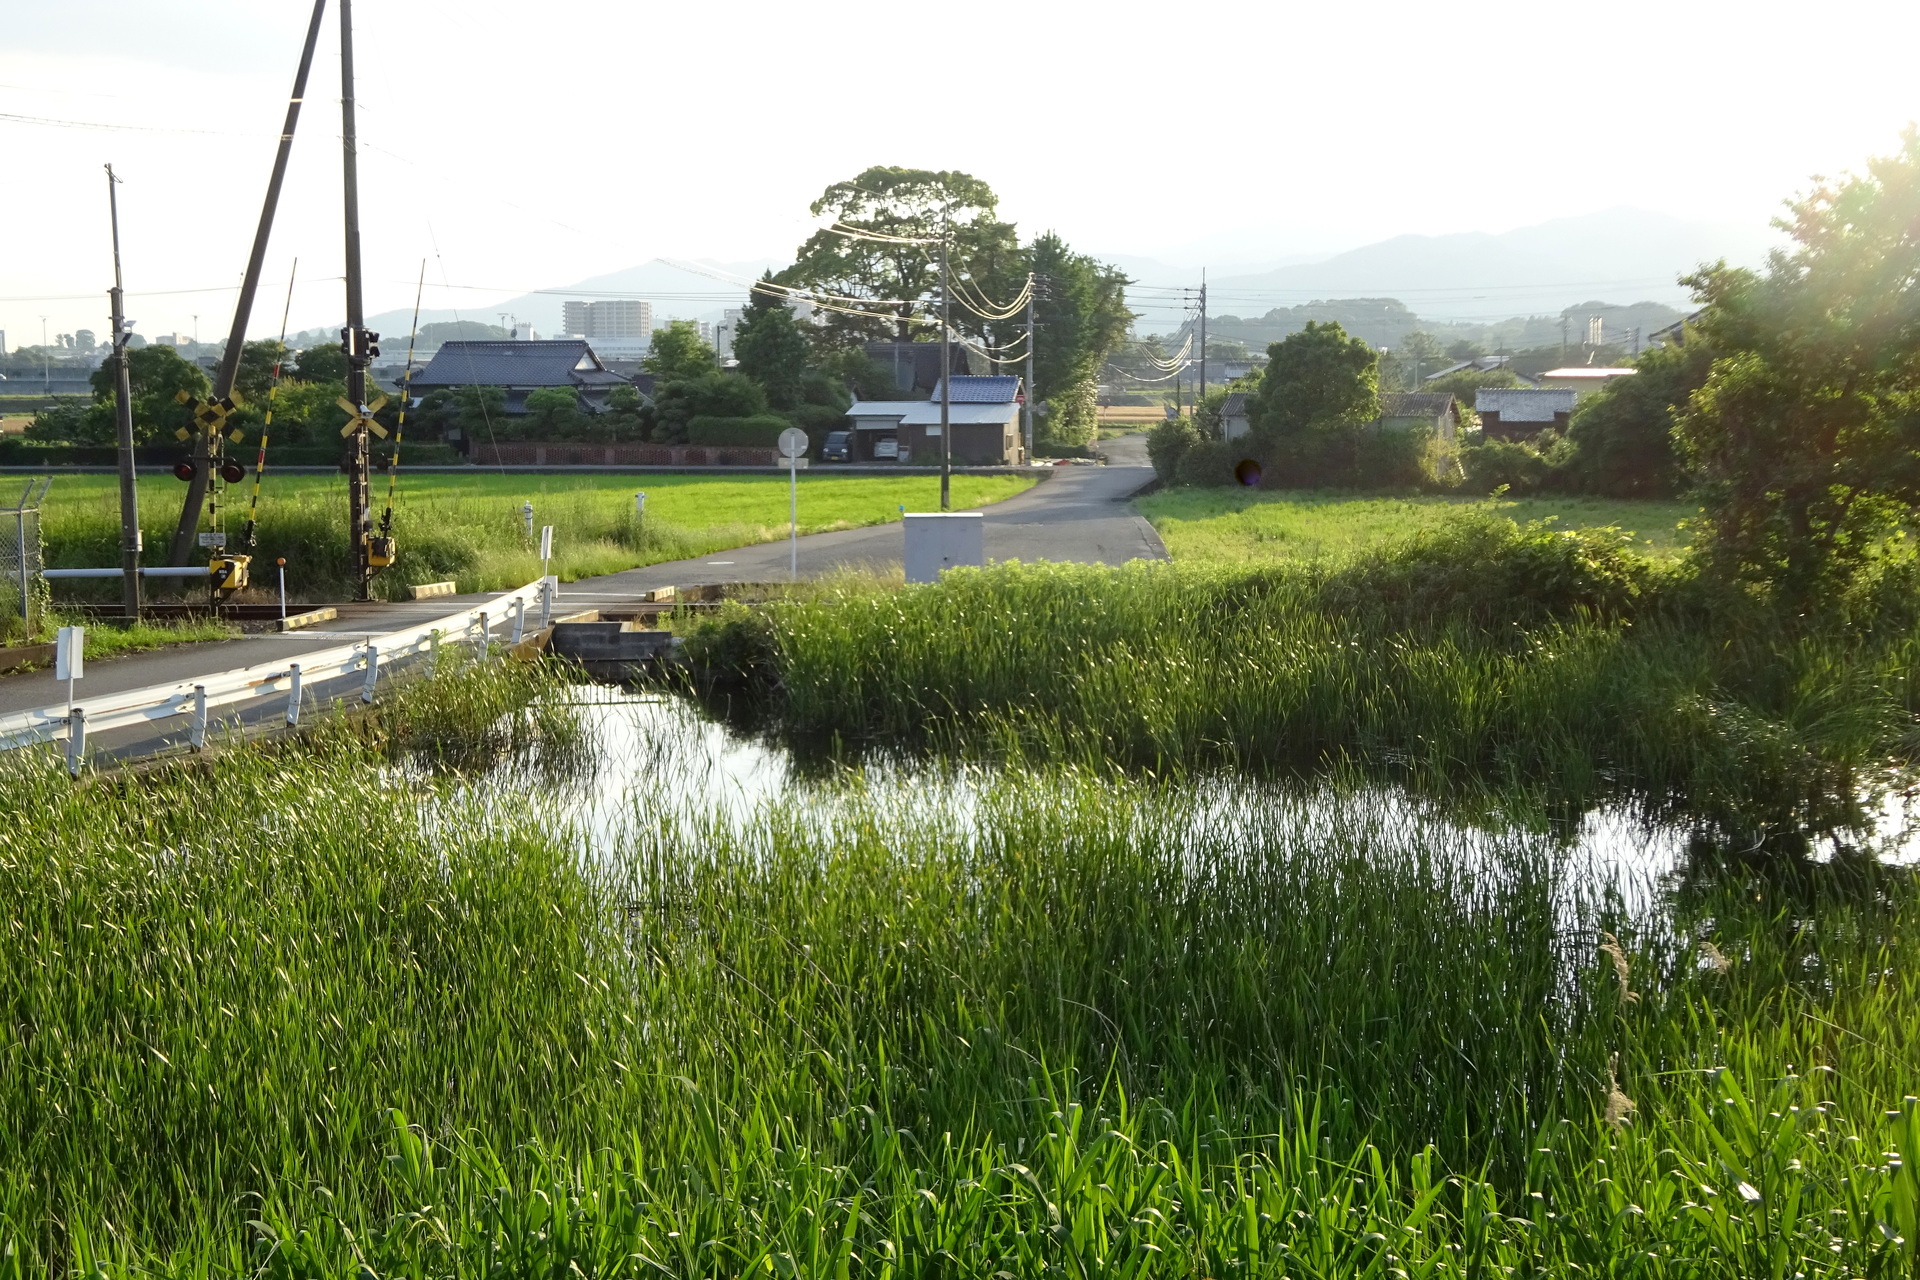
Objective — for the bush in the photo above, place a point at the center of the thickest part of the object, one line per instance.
(1167, 443)
(761, 431)
(1209, 462)
(1518, 466)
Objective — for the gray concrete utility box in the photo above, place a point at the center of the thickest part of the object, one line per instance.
(941, 540)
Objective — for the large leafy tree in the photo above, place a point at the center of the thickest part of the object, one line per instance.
(679, 352)
(1805, 439)
(1081, 311)
(869, 260)
(1317, 378)
(321, 362)
(1622, 438)
(772, 350)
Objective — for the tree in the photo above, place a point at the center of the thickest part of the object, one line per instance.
(1805, 438)
(1318, 378)
(1622, 438)
(156, 376)
(678, 351)
(877, 262)
(553, 413)
(1465, 385)
(1082, 313)
(254, 378)
(322, 362)
(772, 350)
(714, 394)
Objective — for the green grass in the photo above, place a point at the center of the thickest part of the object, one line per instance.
(1231, 526)
(468, 528)
(1046, 1024)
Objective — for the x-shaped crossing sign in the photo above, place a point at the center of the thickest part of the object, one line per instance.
(362, 416)
(209, 415)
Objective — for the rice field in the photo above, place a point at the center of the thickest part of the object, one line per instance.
(1242, 526)
(395, 1014)
(470, 528)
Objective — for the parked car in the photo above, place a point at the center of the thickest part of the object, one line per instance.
(838, 448)
(886, 447)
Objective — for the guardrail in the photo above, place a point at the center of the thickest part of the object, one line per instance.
(196, 699)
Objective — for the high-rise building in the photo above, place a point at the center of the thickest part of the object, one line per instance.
(575, 319)
(729, 329)
(619, 328)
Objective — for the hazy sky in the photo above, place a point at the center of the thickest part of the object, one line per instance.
(517, 146)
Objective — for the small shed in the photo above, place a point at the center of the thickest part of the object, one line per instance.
(1520, 413)
(1438, 411)
(984, 415)
(1233, 416)
(876, 429)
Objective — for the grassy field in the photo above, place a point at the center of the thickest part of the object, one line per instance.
(468, 528)
(384, 1021)
(1233, 526)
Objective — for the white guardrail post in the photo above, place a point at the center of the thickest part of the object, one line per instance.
(193, 701)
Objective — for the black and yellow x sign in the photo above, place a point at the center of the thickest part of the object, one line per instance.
(362, 416)
(209, 415)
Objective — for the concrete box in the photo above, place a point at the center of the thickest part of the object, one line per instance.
(941, 540)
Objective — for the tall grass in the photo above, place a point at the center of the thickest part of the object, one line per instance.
(1077, 1026)
(1516, 658)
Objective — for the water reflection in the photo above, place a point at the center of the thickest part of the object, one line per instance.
(651, 758)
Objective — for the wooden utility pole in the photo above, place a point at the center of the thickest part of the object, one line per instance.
(946, 378)
(123, 422)
(355, 341)
(1033, 286)
(205, 440)
(1203, 341)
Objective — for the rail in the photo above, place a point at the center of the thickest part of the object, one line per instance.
(196, 699)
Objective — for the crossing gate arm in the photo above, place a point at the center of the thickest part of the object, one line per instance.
(192, 700)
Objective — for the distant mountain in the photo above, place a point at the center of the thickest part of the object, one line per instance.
(1622, 254)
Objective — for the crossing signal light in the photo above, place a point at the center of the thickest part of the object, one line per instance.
(233, 473)
(183, 470)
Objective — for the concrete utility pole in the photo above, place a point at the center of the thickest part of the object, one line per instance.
(1032, 288)
(46, 364)
(123, 421)
(223, 379)
(946, 378)
(355, 341)
(1203, 341)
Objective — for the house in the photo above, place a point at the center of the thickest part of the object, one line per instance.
(1582, 380)
(1233, 416)
(519, 367)
(1435, 410)
(916, 365)
(876, 429)
(1479, 364)
(1520, 413)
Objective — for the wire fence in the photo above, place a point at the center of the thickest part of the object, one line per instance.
(22, 594)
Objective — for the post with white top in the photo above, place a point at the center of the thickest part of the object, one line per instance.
(546, 549)
(526, 515)
(70, 658)
(793, 454)
(640, 515)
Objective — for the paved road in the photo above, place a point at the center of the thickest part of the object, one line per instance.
(1077, 514)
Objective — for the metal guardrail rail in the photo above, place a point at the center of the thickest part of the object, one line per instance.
(195, 700)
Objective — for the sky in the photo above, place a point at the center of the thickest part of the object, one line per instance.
(511, 147)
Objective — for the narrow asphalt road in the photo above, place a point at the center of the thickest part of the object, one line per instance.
(1078, 513)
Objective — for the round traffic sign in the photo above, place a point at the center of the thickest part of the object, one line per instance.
(793, 443)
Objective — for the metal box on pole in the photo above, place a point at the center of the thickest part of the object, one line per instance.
(937, 541)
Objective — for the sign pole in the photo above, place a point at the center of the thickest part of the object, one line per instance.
(793, 452)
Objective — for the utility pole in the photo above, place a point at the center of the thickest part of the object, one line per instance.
(223, 379)
(1563, 338)
(46, 364)
(123, 421)
(355, 341)
(1202, 395)
(946, 379)
(1032, 288)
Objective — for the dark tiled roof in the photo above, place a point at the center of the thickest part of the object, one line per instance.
(1524, 404)
(1236, 405)
(515, 364)
(1414, 404)
(916, 365)
(997, 390)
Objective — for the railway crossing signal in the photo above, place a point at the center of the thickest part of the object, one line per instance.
(362, 416)
(209, 415)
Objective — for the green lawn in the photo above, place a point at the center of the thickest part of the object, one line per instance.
(469, 527)
(1237, 526)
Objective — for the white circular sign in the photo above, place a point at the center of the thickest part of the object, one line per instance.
(793, 443)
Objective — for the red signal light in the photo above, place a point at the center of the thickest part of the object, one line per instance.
(183, 470)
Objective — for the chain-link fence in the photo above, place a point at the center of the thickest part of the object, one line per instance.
(21, 589)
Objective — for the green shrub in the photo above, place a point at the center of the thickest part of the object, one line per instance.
(1210, 463)
(1167, 443)
(761, 431)
(1519, 466)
